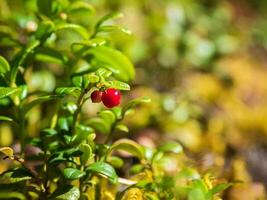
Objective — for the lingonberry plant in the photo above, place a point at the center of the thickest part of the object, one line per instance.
(74, 156)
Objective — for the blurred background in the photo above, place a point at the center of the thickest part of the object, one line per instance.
(204, 65)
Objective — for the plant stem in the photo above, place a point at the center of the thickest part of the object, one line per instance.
(79, 105)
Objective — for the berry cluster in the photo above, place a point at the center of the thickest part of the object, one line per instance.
(110, 97)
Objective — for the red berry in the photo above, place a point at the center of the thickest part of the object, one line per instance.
(111, 97)
(96, 96)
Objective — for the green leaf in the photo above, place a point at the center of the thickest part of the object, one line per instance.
(87, 153)
(45, 28)
(49, 55)
(11, 195)
(119, 85)
(111, 28)
(20, 58)
(108, 116)
(7, 151)
(77, 81)
(219, 188)
(115, 161)
(104, 169)
(66, 192)
(135, 102)
(113, 60)
(4, 65)
(82, 134)
(7, 91)
(121, 127)
(80, 48)
(15, 176)
(72, 173)
(107, 17)
(173, 147)
(103, 72)
(80, 6)
(74, 91)
(128, 146)
(99, 125)
(75, 27)
(4, 118)
(28, 106)
(90, 78)
(196, 193)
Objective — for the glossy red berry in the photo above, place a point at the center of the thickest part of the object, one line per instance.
(96, 96)
(111, 97)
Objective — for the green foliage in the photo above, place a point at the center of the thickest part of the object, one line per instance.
(72, 154)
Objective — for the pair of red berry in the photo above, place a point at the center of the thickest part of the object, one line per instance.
(110, 97)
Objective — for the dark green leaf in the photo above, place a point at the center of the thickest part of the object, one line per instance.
(45, 28)
(15, 176)
(72, 173)
(104, 169)
(66, 192)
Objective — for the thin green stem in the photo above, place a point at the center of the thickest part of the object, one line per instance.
(79, 105)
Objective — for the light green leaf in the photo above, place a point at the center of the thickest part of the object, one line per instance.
(128, 146)
(99, 125)
(119, 85)
(219, 188)
(74, 91)
(135, 102)
(4, 118)
(80, 48)
(80, 6)
(111, 28)
(49, 55)
(103, 72)
(104, 169)
(20, 58)
(108, 116)
(113, 60)
(173, 147)
(82, 134)
(121, 127)
(107, 17)
(75, 27)
(72, 173)
(4, 65)
(45, 28)
(87, 153)
(7, 91)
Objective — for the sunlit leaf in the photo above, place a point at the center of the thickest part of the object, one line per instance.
(4, 65)
(104, 169)
(111, 28)
(107, 17)
(119, 85)
(173, 147)
(15, 176)
(72, 173)
(113, 60)
(74, 91)
(7, 151)
(128, 146)
(75, 27)
(7, 91)
(135, 102)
